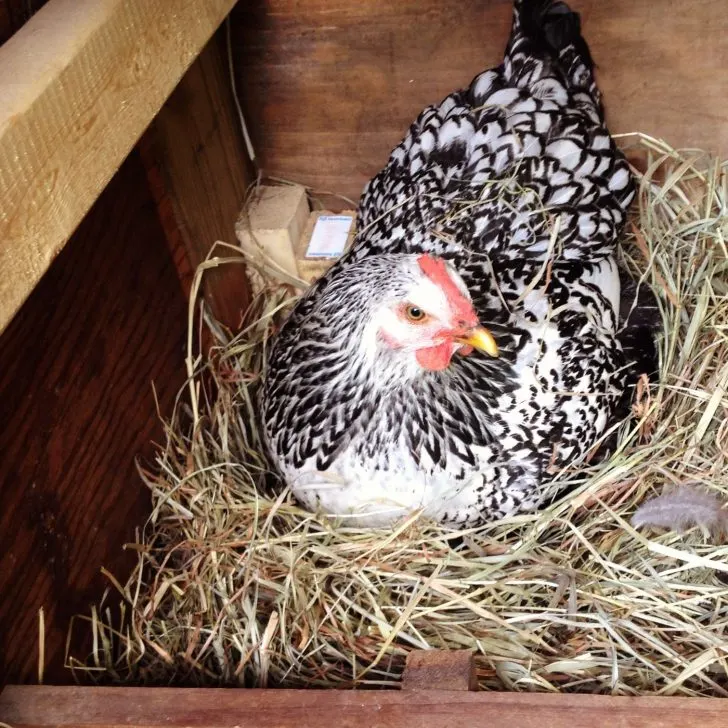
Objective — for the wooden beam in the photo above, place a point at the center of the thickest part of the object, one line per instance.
(79, 83)
(26, 706)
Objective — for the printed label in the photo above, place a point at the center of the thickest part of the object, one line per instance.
(329, 236)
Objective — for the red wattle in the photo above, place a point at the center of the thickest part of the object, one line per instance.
(435, 358)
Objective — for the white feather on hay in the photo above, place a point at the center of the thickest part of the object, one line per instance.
(684, 507)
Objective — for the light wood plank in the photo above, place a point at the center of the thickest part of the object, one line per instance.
(79, 83)
(28, 706)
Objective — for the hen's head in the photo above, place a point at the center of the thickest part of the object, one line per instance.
(414, 309)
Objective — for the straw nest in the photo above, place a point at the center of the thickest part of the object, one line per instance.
(238, 586)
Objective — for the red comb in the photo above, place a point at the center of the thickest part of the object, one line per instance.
(436, 270)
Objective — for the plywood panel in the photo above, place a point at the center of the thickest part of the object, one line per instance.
(330, 88)
(76, 408)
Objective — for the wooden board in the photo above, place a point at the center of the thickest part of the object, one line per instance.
(440, 670)
(199, 168)
(76, 371)
(328, 90)
(23, 707)
(79, 84)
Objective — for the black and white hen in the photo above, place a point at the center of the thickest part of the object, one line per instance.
(470, 342)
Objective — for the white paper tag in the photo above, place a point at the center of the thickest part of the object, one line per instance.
(329, 237)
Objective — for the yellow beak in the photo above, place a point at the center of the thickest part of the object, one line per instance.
(480, 339)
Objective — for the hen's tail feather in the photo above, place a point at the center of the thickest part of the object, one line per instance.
(549, 31)
(639, 322)
(548, 27)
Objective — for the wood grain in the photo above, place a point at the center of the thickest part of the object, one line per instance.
(77, 406)
(23, 707)
(440, 670)
(80, 82)
(329, 89)
(196, 158)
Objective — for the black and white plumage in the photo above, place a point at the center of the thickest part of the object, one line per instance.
(502, 206)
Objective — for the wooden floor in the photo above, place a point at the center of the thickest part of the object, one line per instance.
(329, 88)
(76, 406)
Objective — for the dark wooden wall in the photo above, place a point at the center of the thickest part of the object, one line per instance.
(329, 88)
(76, 366)
(78, 361)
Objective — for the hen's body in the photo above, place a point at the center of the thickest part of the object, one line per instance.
(517, 183)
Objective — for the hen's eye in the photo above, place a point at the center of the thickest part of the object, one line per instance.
(414, 314)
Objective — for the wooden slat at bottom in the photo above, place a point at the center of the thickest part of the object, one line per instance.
(22, 706)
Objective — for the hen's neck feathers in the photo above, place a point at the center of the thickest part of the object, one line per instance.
(340, 384)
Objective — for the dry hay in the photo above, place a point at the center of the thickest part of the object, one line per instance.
(237, 587)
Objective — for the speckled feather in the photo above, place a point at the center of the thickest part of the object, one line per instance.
(481, 179)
